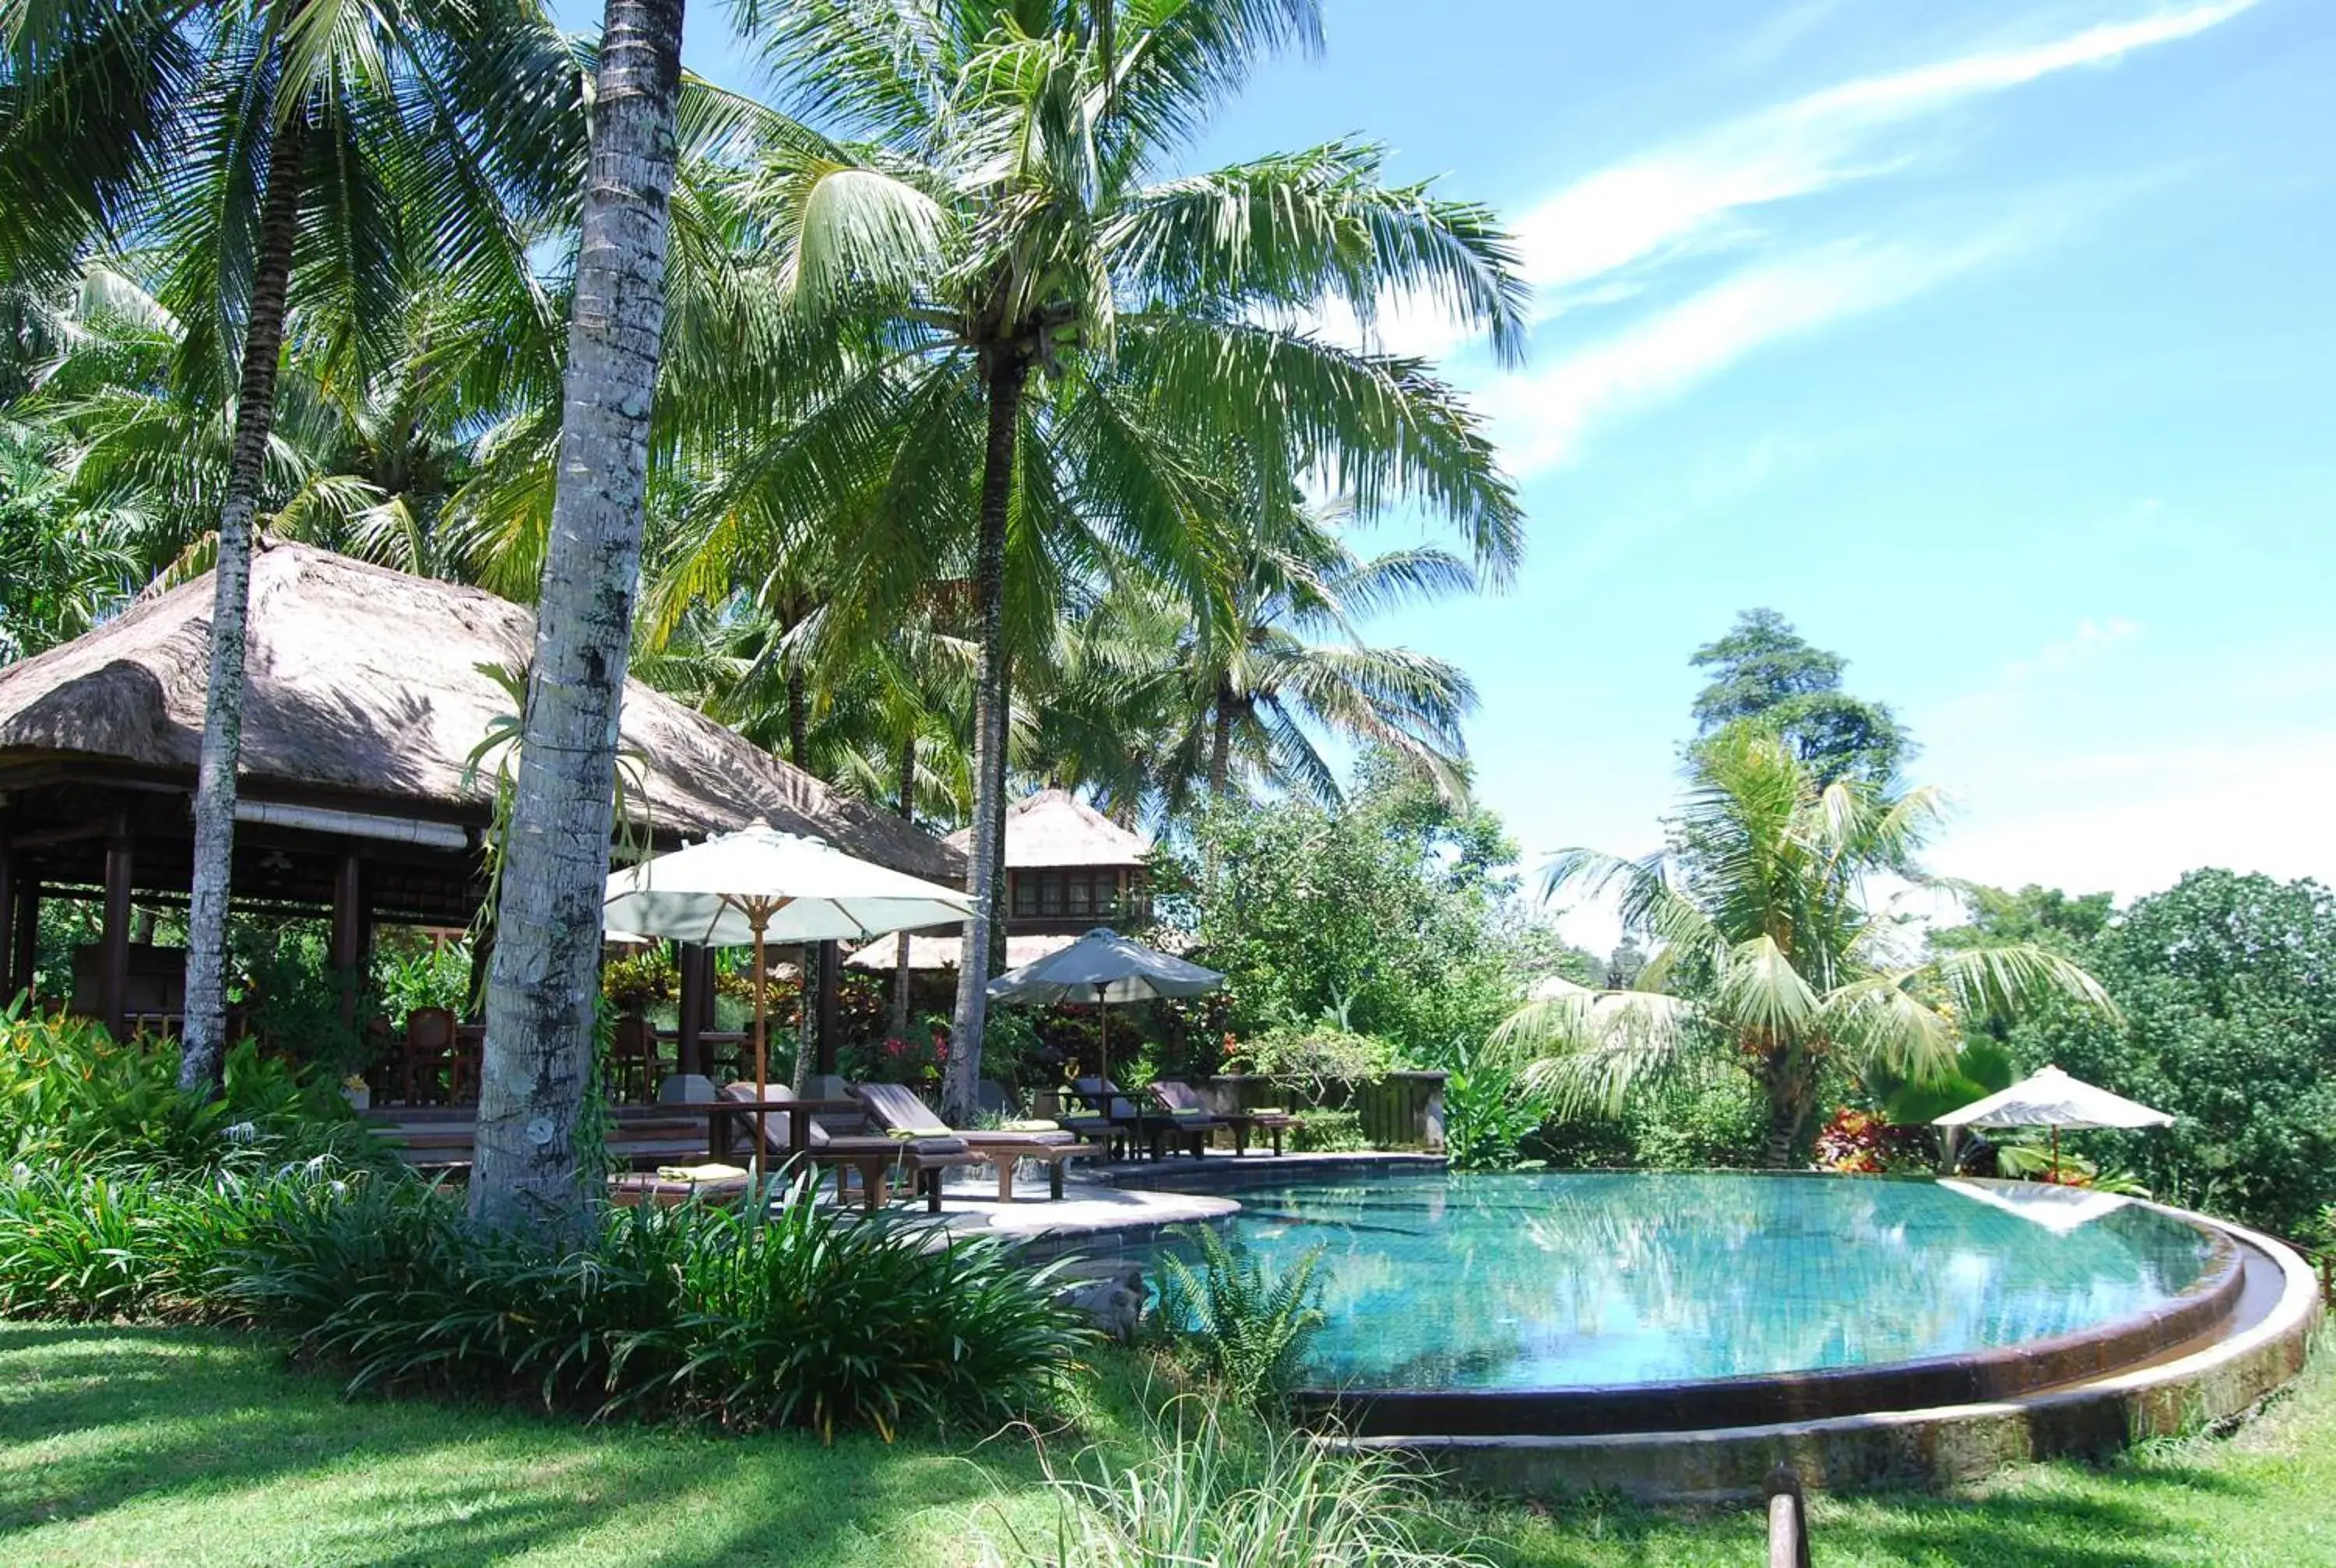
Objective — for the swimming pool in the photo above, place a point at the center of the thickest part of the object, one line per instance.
(1547, 1281)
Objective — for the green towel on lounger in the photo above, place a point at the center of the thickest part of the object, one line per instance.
(1034, 1125)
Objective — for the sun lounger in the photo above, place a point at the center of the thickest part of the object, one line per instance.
(875, 1158)
(670, 1186)
(898, 1110)
(1160, 1128)
(1180, 1099)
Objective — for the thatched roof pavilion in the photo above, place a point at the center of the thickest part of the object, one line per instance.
(367, 691)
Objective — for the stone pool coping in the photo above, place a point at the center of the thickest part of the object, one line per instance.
(1997, 1372)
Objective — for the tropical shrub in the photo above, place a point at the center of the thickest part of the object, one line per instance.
(1324, 1132)
(1236, 1321)
(1860, 1142)
(811, 1318)
(82, 1245)
(1490, 1113)
(1209, 1494)
(1315, 1054)
(1390, 914)
(71, 1094)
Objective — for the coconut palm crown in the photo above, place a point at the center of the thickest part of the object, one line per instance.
(1769, 956)
(985, 187)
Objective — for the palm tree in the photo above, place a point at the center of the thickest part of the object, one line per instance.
(1769, 958)
(357, 138)
(1069, 325)
(543, 984)
(1257, 685)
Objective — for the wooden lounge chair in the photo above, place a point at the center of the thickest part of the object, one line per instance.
(874, 1158)
(1179, 1099)
(900, 1111)
(1160, 1128)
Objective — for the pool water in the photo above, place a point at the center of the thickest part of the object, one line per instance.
(1543, 1280)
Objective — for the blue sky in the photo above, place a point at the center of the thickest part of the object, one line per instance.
(1990, 341)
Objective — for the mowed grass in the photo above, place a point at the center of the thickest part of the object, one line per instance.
(179, 1447)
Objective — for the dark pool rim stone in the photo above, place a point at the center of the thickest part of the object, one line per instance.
(1770, 1398)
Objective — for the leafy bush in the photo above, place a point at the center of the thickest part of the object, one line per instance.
(1320, 1132)
(1236, 1321)
(128, 1244)
(70, 1093)
(2229, 1024)
(1209, 1496)
(1697, 1127)
(1859, 1142)
(1315, 1053)
(812, 1319)
(1490, 1113)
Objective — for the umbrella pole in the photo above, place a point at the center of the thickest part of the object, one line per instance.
(1103, 1037)
(759, 917)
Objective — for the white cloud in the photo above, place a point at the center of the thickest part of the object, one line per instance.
(1543, 415)
(1686, 197)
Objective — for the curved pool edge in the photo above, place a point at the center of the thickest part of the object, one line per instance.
(1932, 1448)
(1970, 1376)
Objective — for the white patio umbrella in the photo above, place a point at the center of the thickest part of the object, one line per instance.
(759, 886)
(2053, 1099)
(1104, 967)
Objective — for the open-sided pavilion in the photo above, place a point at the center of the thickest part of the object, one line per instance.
(368, 692)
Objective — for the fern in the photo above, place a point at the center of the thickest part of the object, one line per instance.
(1238, 1322)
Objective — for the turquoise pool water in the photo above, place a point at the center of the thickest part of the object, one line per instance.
(1537, 1280)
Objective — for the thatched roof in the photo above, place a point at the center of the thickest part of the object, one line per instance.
(943, 952)
(1056, 828)
(365, 682)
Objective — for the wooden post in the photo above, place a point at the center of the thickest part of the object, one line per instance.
(1788, 1520)
(114, 954)
(28, 935)
(8, 983)
(696, 984)
(830, 974)
(348, 933)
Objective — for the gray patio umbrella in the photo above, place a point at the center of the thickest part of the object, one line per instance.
(1104, 967)
(2053, 1099)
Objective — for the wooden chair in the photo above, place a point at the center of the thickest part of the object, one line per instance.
(633, 1061)
(429, 1052)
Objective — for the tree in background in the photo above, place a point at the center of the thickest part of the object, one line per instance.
(1392, 915)
(1767, 958)
(1763, 670)
(2226, 985)
(1071, 327)
(357, 141)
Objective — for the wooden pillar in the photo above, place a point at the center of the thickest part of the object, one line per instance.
(113, 953)
(696, 986)
(831, 975)
(349, 932)
(8, 983)
(28, 935)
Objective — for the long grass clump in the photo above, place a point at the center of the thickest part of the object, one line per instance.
(1237, 1321)
(1231, 1496)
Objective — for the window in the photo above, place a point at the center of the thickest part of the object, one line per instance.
(1050, 895)
(1106, 895)
(1079, 890)
(1026, 893)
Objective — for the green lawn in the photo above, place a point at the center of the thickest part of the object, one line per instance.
(164, 1445)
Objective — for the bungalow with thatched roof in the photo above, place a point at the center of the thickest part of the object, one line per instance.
(368, 691)
(1068, 869)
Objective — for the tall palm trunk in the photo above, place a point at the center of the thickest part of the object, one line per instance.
(1006, 377)
(1786, 1080)
(1221, 749)
(998, 879)
(541, 997)
(908, 809)
(205, 1032)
